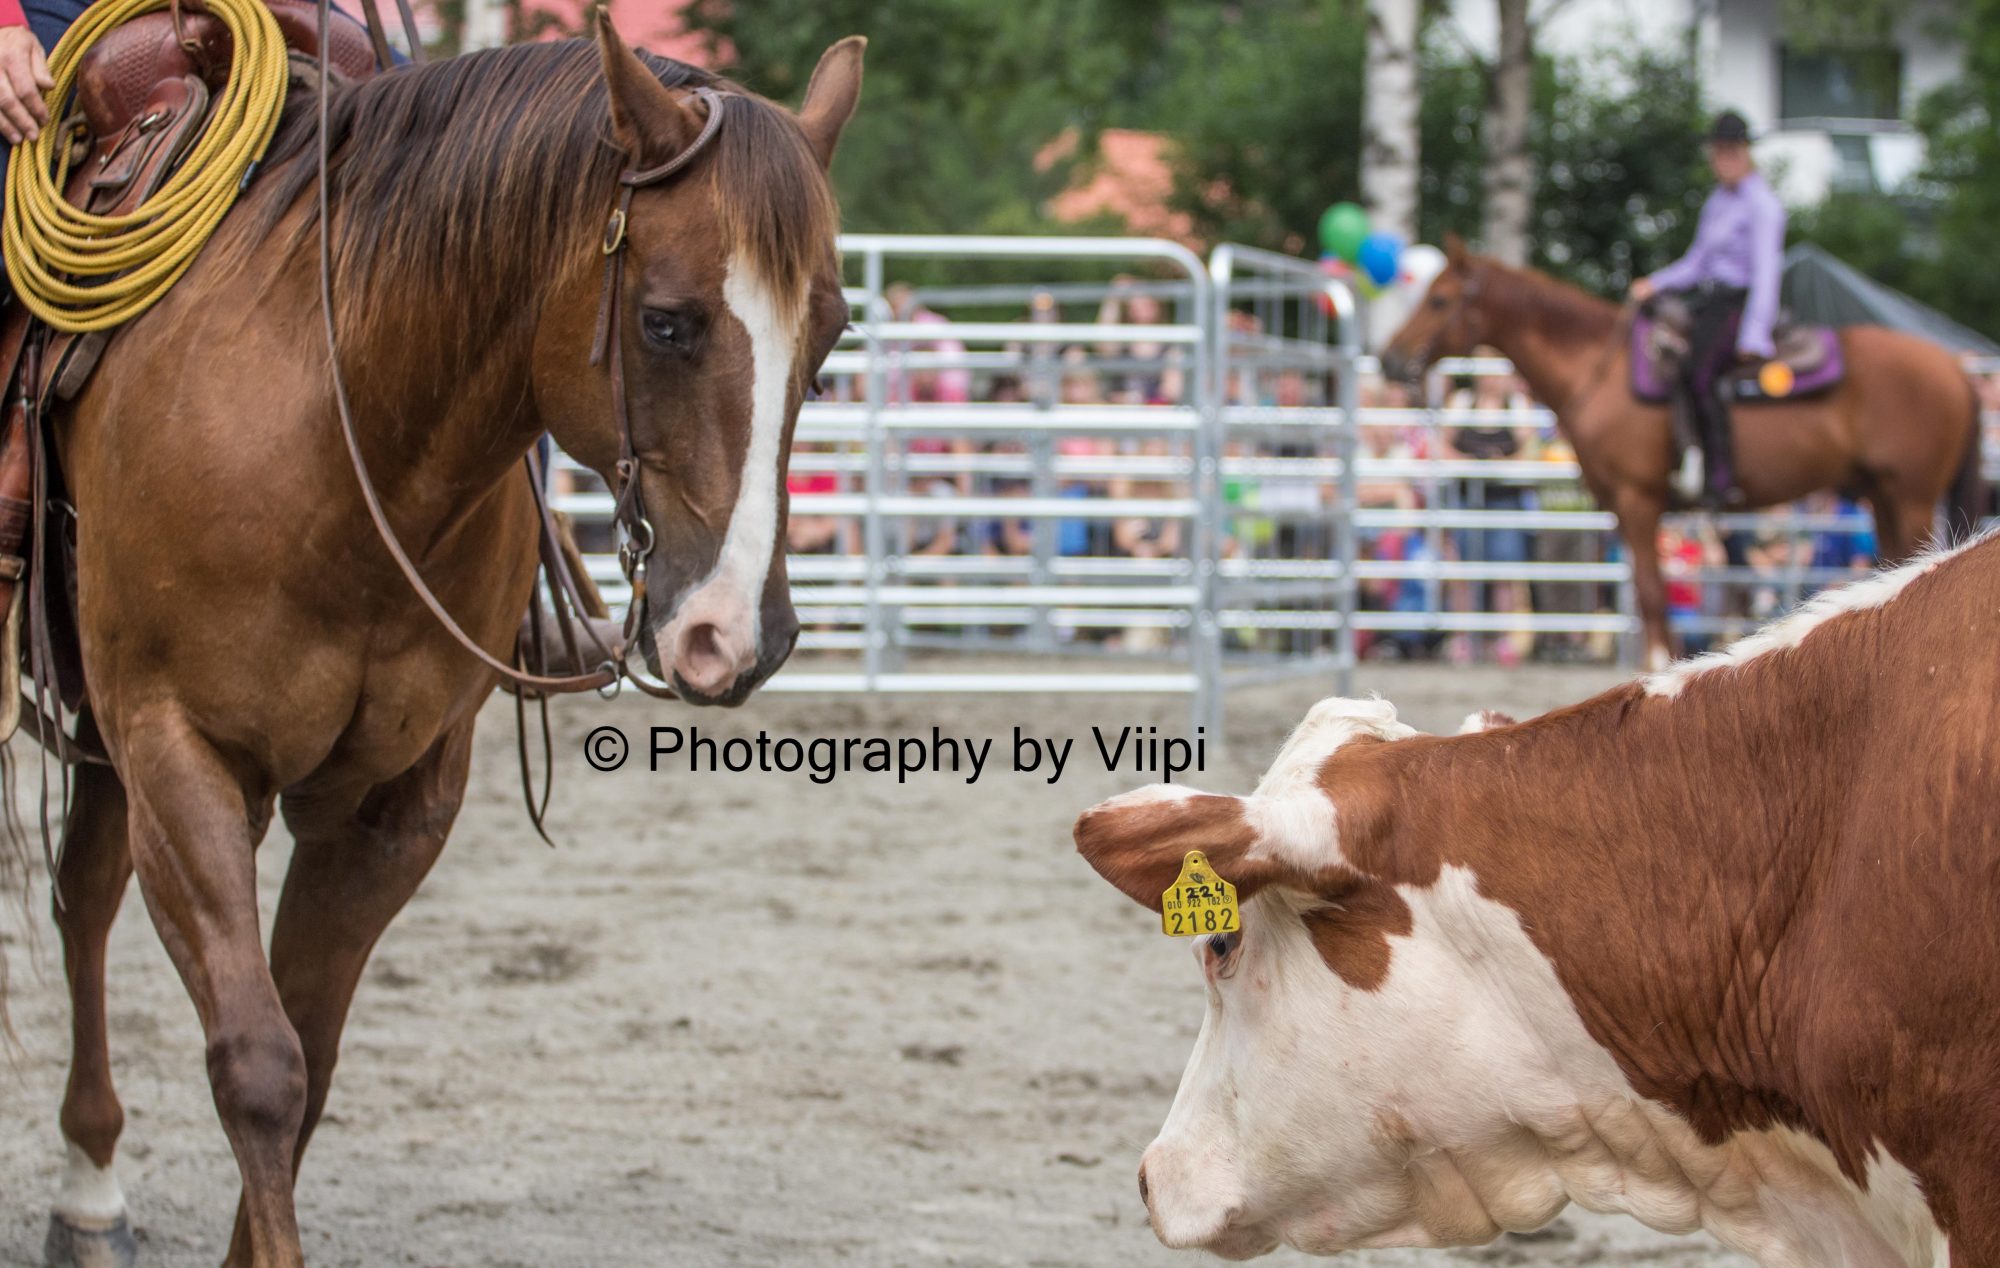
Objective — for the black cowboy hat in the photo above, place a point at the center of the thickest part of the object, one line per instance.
(1728, 129)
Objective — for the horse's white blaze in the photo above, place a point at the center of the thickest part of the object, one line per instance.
(731, 596)
(89, 1192)
(1859, 596)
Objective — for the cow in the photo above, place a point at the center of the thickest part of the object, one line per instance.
(1718, 948)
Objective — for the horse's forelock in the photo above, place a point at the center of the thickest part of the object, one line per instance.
(433, 166)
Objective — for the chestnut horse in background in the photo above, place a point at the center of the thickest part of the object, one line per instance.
(1902, 429)
(251, 648)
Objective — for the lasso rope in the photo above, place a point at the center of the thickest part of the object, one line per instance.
(52, 247)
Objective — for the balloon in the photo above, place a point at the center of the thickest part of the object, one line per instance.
(1343, 229)
(1422, 262)
(1334, 266)
(1366, 285)
(1378, 256)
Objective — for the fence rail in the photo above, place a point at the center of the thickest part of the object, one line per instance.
(1175, 483)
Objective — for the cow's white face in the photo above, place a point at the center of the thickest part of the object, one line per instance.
(1328, 1116)
(1400, 1065)
(1351, 1083)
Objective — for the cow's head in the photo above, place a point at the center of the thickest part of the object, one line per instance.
(1340, 1024)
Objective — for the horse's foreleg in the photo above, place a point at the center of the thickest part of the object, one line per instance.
(355, 865)
(194, 850)
(1639, 527)
(88, 1226)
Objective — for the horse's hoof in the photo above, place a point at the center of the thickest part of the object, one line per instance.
(86, 1243)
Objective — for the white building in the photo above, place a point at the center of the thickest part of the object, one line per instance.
(1824, 120)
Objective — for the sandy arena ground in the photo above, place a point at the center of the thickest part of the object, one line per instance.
(733, 1019)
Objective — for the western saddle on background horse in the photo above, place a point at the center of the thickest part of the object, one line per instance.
(1808, 361)
(145, 92)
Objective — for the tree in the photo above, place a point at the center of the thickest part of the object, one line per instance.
(1509, 174)
(1391, 105)
(959, 98)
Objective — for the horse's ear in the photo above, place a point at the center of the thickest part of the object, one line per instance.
(832, 94)
(648, 120)
(1454, 250)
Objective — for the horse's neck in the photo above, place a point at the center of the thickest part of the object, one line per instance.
(1562, 363)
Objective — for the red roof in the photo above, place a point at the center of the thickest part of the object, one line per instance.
(1131, 177)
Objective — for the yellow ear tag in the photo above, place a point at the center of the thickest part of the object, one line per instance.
(1775, 378)
(1200, 902)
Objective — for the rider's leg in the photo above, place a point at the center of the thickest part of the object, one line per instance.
(1708, 351)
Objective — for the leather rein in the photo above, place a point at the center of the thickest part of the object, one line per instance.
(629, 511)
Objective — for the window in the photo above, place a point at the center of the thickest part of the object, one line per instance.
(1854, 164)
(1835, 83)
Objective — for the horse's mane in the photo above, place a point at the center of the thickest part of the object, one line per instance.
(1554, 307)
(480, 175)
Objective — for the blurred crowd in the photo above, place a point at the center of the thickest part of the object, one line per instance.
(1480, 446)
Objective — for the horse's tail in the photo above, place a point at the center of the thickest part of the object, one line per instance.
(1965, 504)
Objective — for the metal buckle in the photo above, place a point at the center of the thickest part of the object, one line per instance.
(614, 232)
(631, 552)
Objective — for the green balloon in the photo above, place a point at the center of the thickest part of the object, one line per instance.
(1343, 229)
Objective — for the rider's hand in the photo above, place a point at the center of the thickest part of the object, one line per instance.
(1642, 289)
(24, 77)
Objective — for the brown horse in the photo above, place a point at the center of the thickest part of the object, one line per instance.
(250, 647)
(1902, 428)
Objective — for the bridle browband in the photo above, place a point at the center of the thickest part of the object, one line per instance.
(1463, 309)
(629, 508)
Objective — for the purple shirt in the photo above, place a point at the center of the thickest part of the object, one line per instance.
(1739, 241)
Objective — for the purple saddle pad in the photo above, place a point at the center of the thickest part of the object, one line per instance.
(1812, 352)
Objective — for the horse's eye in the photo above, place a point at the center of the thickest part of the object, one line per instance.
(663, 329)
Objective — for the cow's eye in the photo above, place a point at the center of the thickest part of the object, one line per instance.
(1438, 302)
(1222, 945)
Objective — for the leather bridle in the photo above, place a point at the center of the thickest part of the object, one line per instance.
(1463, 310)
(629, 512)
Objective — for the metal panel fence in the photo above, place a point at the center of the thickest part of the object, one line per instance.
(1104, 465)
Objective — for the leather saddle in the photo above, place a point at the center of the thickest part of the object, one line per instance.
(1808, 360)
(143, 96)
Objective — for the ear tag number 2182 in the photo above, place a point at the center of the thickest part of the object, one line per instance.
(1200, 902)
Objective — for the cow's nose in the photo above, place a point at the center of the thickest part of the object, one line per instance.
(1145, 1194)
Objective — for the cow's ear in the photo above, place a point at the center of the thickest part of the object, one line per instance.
(1454, 250)
(1138, 841)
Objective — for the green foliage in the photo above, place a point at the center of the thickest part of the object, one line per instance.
(1936, 240)
(1961, 124)
(1263, 101)
(959, 97)
(1620, 170)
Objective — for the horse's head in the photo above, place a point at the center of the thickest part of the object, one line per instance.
(1448, 321)
(729, 301)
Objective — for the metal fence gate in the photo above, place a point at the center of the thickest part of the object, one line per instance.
(1103, 465)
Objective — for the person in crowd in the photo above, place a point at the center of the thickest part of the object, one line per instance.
(1147, 372)
(1496, 428)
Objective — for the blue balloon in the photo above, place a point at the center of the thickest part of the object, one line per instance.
(1379, 255)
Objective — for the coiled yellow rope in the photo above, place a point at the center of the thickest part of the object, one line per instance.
(52, 247)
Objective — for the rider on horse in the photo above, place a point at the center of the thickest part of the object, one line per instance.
(27, 29)
(1729, 279)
